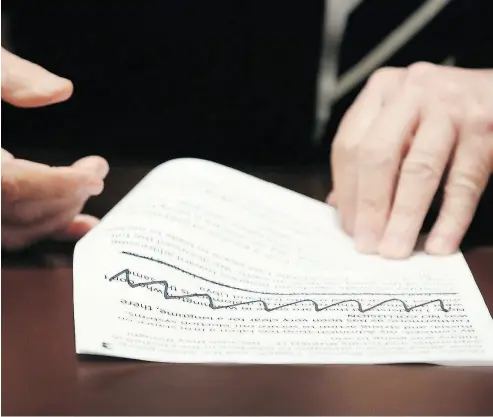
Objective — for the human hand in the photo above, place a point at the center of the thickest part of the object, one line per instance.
(25, 84)
(39, 201)
(408, 130)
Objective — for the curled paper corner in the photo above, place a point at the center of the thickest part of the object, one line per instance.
(95, 248)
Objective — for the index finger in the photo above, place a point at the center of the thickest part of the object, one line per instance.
(379, 161)
(25, 84)
(352, 130)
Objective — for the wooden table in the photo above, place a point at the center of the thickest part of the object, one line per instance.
(42, 375)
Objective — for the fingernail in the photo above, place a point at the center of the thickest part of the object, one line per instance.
(100, 167)
(439, 245)
(93, 187)
(366, 242)
(331, 199)
(58, 88)
(86, 219)
(52, 82)
(94, 165)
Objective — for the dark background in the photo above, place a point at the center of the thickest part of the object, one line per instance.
(228, 80)
(224, 80)
(233, 81)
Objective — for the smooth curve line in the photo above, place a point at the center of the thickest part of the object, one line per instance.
(268, 309)
(148, 258)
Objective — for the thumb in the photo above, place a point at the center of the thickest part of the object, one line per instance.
(25, 84)
(81, 225)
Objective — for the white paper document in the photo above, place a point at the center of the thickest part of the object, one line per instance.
(200, 263)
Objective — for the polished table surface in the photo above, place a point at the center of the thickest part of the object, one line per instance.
(41, 374)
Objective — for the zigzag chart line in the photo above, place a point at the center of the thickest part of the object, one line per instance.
(148, 258)
(212, 305)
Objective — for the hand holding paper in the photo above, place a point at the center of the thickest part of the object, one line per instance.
(201, 263)
(409, 129)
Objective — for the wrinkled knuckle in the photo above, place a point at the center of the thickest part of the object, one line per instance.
(370, 204)
(422, 170)
(382, 76)
(420, 70)
(351, 150)
(480, 120)
(466, 184)
(451, 92)
(343, 149)
(374, 156)
(407, 211)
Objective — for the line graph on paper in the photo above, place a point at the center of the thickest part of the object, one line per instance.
(220, 296)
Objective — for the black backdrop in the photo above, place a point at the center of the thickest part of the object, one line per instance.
(227, 80)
